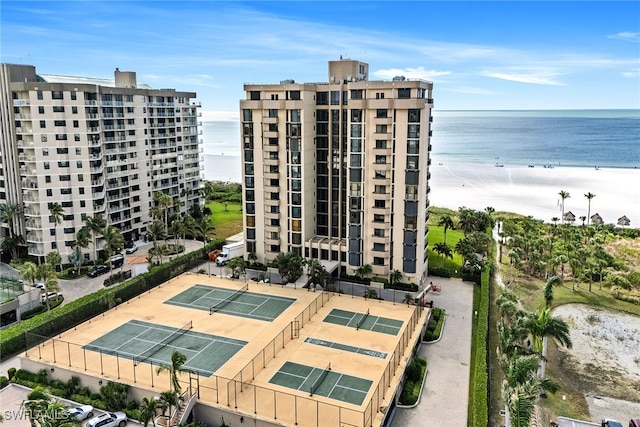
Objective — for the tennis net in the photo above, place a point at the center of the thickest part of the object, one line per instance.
(219, 305)
(165, 341)
(321, 378)
(361, 321)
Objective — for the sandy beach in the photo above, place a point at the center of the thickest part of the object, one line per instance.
(534, 191)
(519, 189)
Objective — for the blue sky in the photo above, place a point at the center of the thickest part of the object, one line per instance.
(480, 55)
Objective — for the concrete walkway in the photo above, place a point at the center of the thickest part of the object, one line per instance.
(445, 396)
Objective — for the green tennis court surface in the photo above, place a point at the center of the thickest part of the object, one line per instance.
(331, 384)
(364, 321)
(151, 343)
(233, 302)
(345, 347)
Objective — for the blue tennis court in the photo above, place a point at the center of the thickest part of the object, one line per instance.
(146, 342)
(323, 382)
(364, 321)
(235, 302)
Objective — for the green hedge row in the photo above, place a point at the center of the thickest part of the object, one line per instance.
(434, 329)
(19, 337)
(479, 377)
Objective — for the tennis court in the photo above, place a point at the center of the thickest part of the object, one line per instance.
(346, 347)
(146, 342)
(322, 382)
(364, 321)
(235, 302)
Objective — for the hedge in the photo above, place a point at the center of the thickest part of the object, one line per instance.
(479, 378)
(14, 338)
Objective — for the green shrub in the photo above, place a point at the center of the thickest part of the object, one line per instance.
(439, 271)
(407, 393)
(479, 377)
(403, 287)
(120, 276)
(11, 372)
(4, 381)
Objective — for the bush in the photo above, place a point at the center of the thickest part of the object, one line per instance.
(479, 379)
(439, 271)
(403, 287)
(11, 373)
(120, 276)
(434, 328)
(4, 381)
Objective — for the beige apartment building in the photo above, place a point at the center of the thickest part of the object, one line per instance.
(339, 171)
(96, 147)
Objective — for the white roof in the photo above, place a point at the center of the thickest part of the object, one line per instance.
(54, 78)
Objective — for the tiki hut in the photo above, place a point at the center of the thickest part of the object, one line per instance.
(569, 217)
(596, 219)
(624, 221)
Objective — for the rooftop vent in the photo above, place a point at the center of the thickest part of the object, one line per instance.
(399, 79)
(287, 81)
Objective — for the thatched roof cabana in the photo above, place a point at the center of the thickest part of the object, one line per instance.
(624, 221)
(569, 217)
(596, 219)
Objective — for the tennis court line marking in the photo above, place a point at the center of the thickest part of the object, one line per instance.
(224, 310)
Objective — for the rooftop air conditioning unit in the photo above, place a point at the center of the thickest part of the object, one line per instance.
(399, 79)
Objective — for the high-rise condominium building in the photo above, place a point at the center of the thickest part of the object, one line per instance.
(339, 171)
(96, 147)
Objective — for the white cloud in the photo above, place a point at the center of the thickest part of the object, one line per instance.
(543, 78)
(470, 90)
(626, 35)
(631, 74)
(410, 73)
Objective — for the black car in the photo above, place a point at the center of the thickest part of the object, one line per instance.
(97, 270)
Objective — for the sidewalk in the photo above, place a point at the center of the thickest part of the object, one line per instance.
(445, 396)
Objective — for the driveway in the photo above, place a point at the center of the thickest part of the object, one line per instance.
(445, 396)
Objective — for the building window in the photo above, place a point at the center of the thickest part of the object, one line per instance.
(381, 128)
(381, 113)
(47, 166)
(58, 109)
(294, 95)
(296, 225)
(378, 218)
(251, 208)
(322, 98)
(414, 115)
(404, 93)
(378, 261)
(379, 247)
(251, 221)
(356, 116)
(381, 143)
(296, 212)
(273, 113)
(254, 95)
(381, 160)
(410, 222)
(356, 94)
(39, 94)
(414, 131)
(413, 162)
(40, 109)
(411, 192)
(378, 232)
(43, 124)
(74, 95)
(379, 203)
(335, 97)
(62, 150)
(74, 110)
(247, 115)
(65, 178)
(45, 151)
(79, 164)
(56, 94)
(49, 190)
(380, 189)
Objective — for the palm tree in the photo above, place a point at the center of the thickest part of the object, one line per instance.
(45, 411)
(395, 277)
(57, 213)
(148, 411)
(29, 271)
(548, 289)
(443, 250)
(174, 369)
(82, 241)
(447, 222)
(165, 202)
(317, 273)
(543, 325)
(364, 271)
(589, 196)
(289, 266)
(113, 242)
(155, 232)
(8, 214)
(96, 225)
(563, 195)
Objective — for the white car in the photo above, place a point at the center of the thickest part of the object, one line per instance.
(131, 249)
(81, 412)
(110, 419)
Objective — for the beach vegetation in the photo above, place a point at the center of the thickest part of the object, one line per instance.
(223, 192)
(227, 222)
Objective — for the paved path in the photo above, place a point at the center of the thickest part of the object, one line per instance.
(445, 396)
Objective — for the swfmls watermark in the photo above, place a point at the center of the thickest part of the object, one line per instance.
(24, 414)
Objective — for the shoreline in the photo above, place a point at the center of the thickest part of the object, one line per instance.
(511, 188)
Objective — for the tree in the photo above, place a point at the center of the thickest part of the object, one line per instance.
(148, 409)
(44, 411)
(447, 223)
(364, 271)
(113, 242)
(548, 289)
(589, 196)
(54, 259)
(252, 257)
(317, 273)
(289, 266)
(563, 195)
(443, 250)
(29, 272)
(156, 232)
(395, 277)
(115, 395)
(82, 241)
(96, 225)
(9, 212)
(541, 326)
(46, 272)
(175, 369)
(164, 203)
(238, 266)
(370, 293)
(57, 213)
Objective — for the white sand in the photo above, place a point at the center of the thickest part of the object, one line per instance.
(534, 191)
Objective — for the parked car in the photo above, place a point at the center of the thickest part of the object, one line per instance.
(110, 419)
(40, 286)
(81, 412)
(51, 296)
(117, 261)
(97, 270)
(634, 422)
(131, 249)
(611, 423)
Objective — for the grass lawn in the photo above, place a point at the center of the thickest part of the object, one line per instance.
(436, 235)
(227, 221)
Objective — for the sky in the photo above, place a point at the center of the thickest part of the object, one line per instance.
(505, 55)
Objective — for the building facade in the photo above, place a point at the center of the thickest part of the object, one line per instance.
(97, 147)
(339, 171)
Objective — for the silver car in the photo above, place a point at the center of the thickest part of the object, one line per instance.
(110, 419)
(81, 412)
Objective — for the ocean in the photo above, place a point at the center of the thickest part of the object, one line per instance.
(579, 138)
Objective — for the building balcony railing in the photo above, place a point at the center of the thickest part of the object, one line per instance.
(23, 116)
(24, 158)
(24, 130)
(25, 144)
(20, 102)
